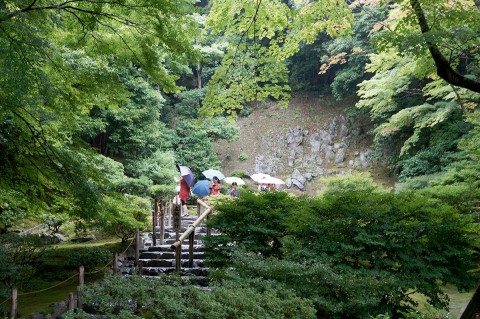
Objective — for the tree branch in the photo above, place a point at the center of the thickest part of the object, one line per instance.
(444, 69)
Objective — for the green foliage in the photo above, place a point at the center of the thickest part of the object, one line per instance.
(89, 257)
(169, 297)
(159, 168)
(124, 214)
(193, 147)
(243, 156)
(221, 128)
(20, 258)
(347, 249)
(54, 222)
(182, 106)
(419, 133)
(435, 37)
(238, 173)
(76, 71)
(263, 35)
(254, 222)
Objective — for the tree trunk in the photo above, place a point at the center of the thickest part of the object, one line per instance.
(444, 69)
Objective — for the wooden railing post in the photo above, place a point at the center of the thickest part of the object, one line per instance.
(209, 231)
(115, 263)
(169, 215)
(191, 239)
(177, 220)
(137, 246)
(154, 222)
(163, 207)
(81, 281)
(199, 212)
(71, 301)
(178, 258)
(13, 312)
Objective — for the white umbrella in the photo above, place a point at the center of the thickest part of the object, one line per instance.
(210, 173)
(231, 179)
(258, 177)
(271, 180)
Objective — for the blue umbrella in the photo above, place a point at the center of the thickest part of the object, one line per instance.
(210, 173)
(201, 188)
(186, 174)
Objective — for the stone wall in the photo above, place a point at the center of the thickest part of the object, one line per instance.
(302, 154)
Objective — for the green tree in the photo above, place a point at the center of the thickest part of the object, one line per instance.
(352, 250)
(262, 35)
(58, 61)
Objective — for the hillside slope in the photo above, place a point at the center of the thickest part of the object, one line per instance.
(310, 139)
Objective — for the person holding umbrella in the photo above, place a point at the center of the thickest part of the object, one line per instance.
(185, 181)
(215, 186)
(184, 194)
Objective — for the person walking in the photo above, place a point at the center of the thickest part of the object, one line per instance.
(184, 194)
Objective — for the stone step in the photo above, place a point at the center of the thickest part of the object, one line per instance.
(201, 282)
(165, 248)
(165, 263)
(158, 271)
(170, 255)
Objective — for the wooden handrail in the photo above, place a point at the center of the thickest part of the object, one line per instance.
(191, 227)
(189, 233)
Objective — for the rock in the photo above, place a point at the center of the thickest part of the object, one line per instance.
(297, 183)
(298, 176)
(329, 155)
(288, 183)
(363, 158)
(52, 238)
(340, 157)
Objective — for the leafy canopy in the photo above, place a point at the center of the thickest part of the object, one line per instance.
(262, 35)
(352, 250)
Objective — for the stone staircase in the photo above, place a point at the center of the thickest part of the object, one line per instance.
(156, 259)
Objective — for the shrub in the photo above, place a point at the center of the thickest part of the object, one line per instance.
(20, 258)
(169, 297)
(243, 156)
(238, 173)
(90, 258)
(54, 222)
(352, 250)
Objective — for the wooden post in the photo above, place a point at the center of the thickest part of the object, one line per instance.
(169, 214)
(13, 312)
(199, 207)
(115, 263)
(81, 281)
(178, 258)
(154, 222)
(191, 239)
(177, 220)
(209, 231)
(137, 246)
(163, 207)
(71, 301)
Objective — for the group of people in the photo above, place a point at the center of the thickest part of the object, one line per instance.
(215, 185)
(262, 187)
